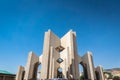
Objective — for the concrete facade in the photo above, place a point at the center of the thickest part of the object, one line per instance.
(4, 75)
(59, 59)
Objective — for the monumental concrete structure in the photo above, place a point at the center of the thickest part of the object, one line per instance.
(60, 59)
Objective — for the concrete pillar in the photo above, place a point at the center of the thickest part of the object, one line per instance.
(100, 75)
(72, 54)
(20, 73)
(53, 75)
(90, 66)
(68, 64)
(51, 63)
(31, 65)
(64, 69)
(45, 59)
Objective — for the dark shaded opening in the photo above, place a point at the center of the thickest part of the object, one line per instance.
(36, 71)
(23, 73)
(59, 60)
(85, 74)
(97, 75)
(81, 72)
(59, 48)
(59, 73)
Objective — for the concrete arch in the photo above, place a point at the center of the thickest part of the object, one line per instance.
(53, 45)
(88, 67)
(97, 75)
(35, 70)
(85, 72)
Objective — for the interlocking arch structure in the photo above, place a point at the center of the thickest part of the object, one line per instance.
(59, 53)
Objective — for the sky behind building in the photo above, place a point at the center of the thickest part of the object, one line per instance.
(23, 23)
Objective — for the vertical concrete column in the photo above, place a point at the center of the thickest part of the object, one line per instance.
(32, 60)
(51, 62)
(72, 55)
(68, 64)
(99, 69)
(64, 68)
(53, 75)
(90, 66)
(76, 56)
(45, 59)
(20, 73)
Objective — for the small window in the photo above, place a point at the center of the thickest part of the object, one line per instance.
(59, 73)
(59, 48)
(59, 60)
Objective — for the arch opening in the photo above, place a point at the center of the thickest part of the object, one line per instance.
(23, 74)
(59, 73)
(97, 75)
(39, 72)
(36, 71)
(83, 71)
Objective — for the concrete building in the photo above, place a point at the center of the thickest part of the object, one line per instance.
(60, 59)
(5, 75)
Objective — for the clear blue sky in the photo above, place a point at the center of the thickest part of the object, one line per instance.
(23, 23)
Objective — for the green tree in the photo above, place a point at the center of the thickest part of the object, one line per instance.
(81, 77)
(116, 78)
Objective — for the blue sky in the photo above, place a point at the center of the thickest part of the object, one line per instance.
(23, 23)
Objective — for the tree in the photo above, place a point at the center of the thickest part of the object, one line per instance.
(81, 77)
(116, 78)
